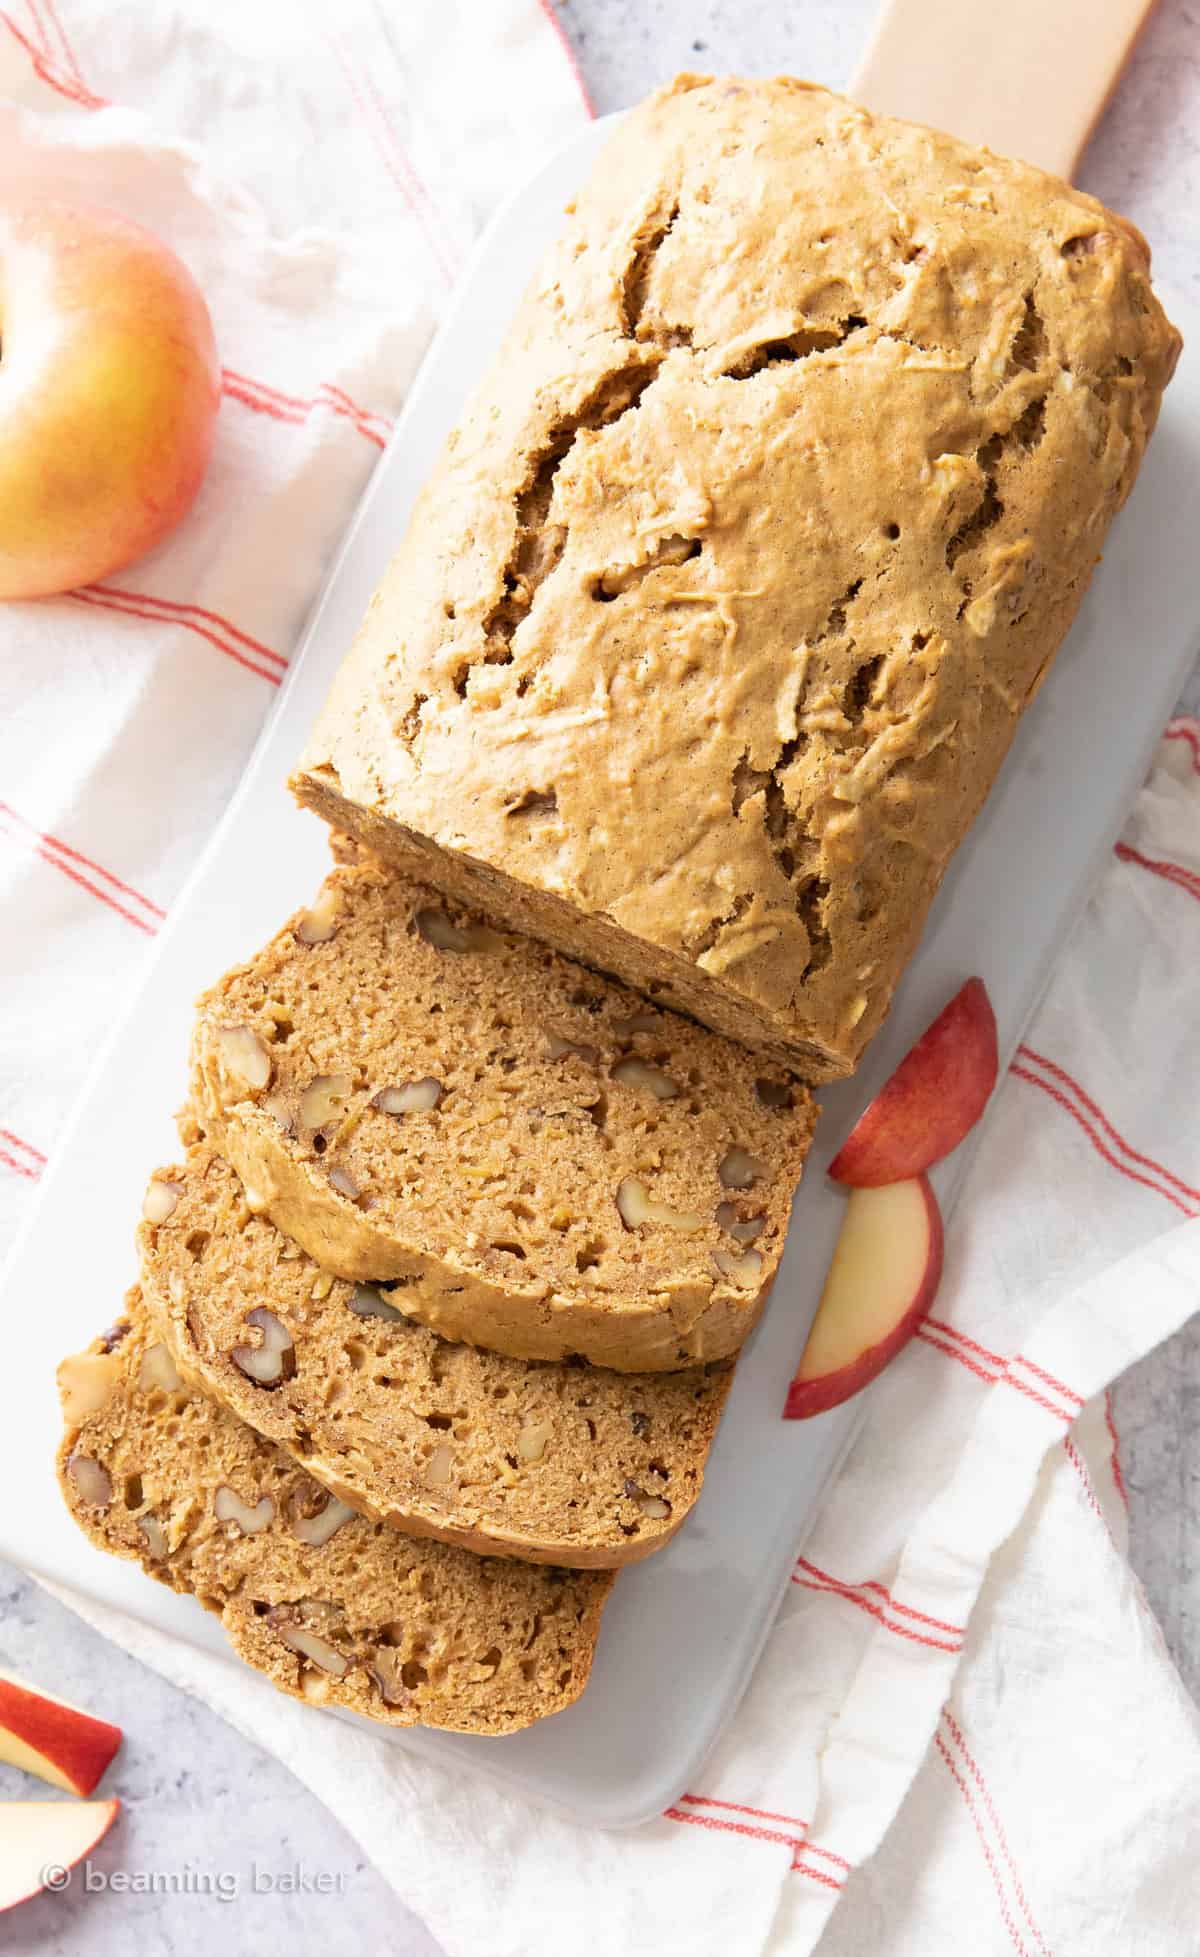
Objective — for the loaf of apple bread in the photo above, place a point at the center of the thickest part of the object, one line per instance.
(711, 631)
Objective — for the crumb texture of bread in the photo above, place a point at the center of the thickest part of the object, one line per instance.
(554, 1462)
(549, 1166)
(333, 1608)
(713, 626)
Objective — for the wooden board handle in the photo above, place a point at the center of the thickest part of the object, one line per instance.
(1028, 78)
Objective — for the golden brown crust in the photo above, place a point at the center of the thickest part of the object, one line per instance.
(558, 1101)
(712, 628)
(406, 1633)
(554, 1463)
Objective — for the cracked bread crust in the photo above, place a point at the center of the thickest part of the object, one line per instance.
(549, 1166)
(406, 1633)
(554, 1463)
(713, 626)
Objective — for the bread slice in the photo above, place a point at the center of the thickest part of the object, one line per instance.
(330, 1606)
(548, 1164)
(553, 1462)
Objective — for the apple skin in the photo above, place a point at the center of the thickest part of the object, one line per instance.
(936, 1094)
(109, 389)
(48, 1737)
(886, 1268)
(36, 1836)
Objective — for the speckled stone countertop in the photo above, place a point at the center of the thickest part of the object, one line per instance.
(243, 1840)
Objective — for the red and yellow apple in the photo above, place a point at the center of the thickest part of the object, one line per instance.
(109, 388)
(41, 1840)
(53, 1739)
(936, 1094)
(885, 1271)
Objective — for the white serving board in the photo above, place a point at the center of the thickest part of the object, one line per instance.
(682, 1631)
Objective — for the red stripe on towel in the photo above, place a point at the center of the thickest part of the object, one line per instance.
(560, 35)
(60, 34)
(989, 1858)
(396, 161)
(1101, 1146)
(1111, 1424)
(1158, 866)
(295, 409)
(717, 1822)
(956, 1735)
(830, 1586)
(49, 72)
(1146, 1161)
(21, 1168)
(57, 862)
(174, 608)
(796, 1841)
(739, 1807)
(1186, 730)
(77, 856)
(114, 601)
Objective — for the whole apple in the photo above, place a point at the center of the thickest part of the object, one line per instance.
(109, 388)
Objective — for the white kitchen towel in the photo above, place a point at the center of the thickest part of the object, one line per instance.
(964, 1734)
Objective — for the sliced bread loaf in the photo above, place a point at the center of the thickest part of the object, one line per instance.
(551, 1165)
(330, 1606)
(549, 1461)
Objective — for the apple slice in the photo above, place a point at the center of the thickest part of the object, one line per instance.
(885, 1270)
(936, 1094)
(53, 1739)
(41, 1840)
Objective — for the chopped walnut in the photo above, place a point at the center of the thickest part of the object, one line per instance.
(639, 1073)
(316, 1530)
(160, 1200)
(637, 1208)
(412, 1097)
(85, 1382)
(157, 1372)
(245, 1061)
(155, 1536)
(744, 1271)
(91, 1480)
(738, 1170)
(318, 925)
(251, 1519)
(742, 1231)
(324, 1102)
(386, 1668)
(366, 1303)
(297, 1637)
(437, 930)
(533, 1438)
(654, 1507)
(274, 1359)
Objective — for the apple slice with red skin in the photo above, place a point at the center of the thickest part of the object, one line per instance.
(885, 1271)
(48, 1737)
(936, 1094)
(38, 1838)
